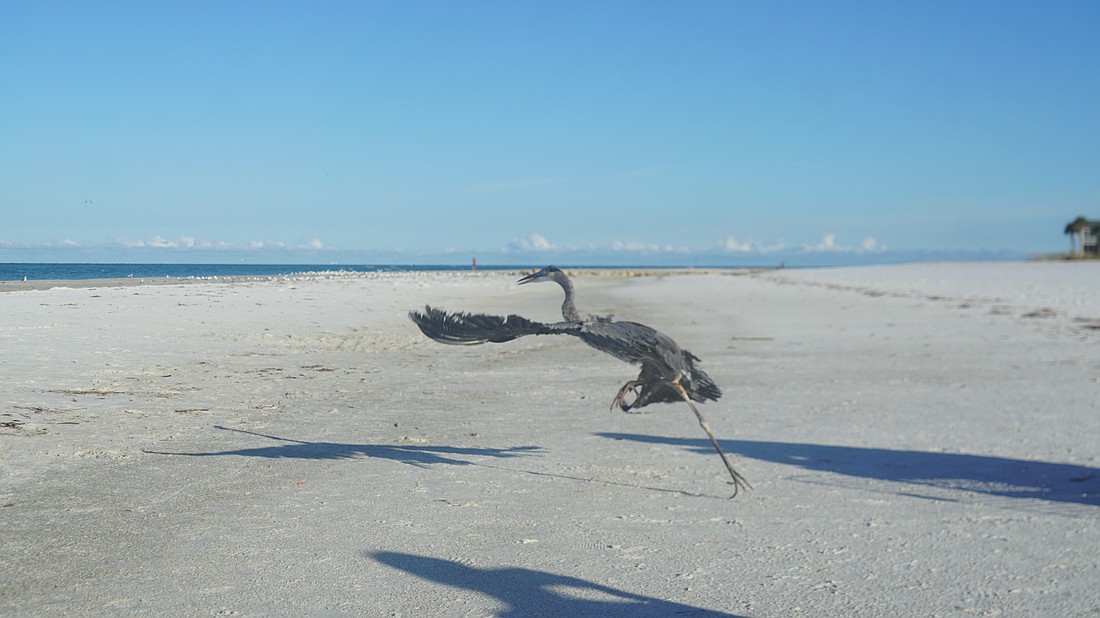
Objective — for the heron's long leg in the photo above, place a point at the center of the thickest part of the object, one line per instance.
(739, 481)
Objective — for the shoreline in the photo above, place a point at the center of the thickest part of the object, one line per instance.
(47, 284)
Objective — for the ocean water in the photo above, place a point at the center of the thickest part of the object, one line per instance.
(73, 272)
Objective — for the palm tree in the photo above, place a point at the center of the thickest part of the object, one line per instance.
(1076, 231)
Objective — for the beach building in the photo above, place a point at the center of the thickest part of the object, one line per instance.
(1084, 236)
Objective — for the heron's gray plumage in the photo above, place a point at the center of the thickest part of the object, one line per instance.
(669, 373)
(661, 360)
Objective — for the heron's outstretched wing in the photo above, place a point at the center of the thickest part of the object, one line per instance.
(475, 328)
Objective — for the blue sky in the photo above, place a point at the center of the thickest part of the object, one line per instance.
(530, 132)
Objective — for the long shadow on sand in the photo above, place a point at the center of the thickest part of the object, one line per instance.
(526, 592)
(409, 454)
(997, 476)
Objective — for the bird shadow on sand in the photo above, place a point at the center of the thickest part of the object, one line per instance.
(526, 592)
(996, 476)
(416, 455)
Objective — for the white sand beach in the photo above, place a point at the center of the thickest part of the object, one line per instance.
(923, 440)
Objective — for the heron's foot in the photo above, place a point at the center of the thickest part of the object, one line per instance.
(620, 399)
(739, 483)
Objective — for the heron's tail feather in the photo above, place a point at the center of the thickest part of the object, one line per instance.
(700, 387)
(475, 328)
(697, 383)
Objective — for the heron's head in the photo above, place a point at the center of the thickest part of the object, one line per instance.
(546, 274)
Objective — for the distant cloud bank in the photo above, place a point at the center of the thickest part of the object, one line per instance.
(535, 248)
(188, 242)
(533, 243)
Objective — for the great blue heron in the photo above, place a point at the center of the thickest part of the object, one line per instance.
(668, 372)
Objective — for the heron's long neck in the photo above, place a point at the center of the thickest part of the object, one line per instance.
(568, 309)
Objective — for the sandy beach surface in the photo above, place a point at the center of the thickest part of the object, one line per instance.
(923, 440)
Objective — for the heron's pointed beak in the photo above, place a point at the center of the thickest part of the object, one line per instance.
(530, 278)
